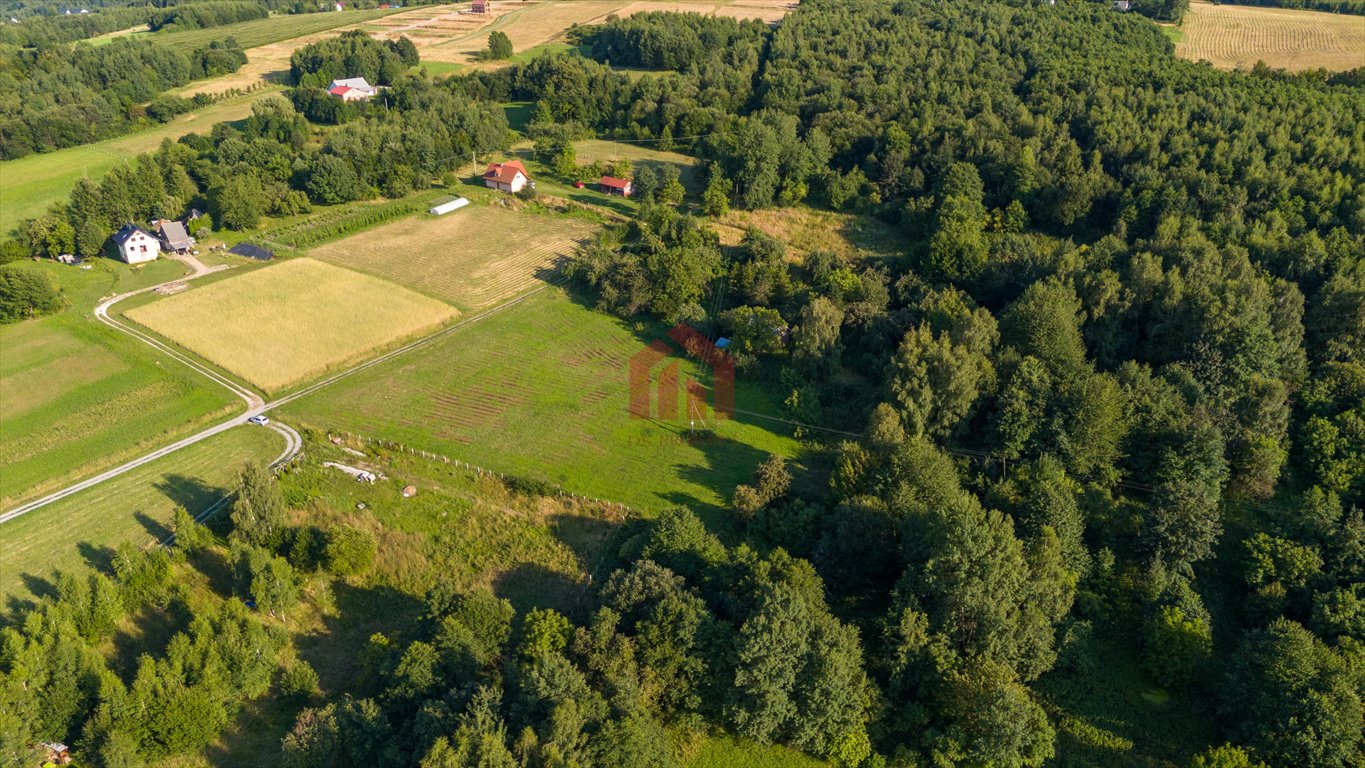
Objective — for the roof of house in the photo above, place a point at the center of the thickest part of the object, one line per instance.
(504, 173)
(174, 232)
(127, 231)
(613, 182)
(358, 83)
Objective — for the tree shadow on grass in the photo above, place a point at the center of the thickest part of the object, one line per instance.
(335, 649)
(528, 586)
(158, 530)
(100, 558)
(192, 493)
(594, 542)
(151, 629)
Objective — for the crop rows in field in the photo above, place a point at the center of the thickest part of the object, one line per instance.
(1236, 37)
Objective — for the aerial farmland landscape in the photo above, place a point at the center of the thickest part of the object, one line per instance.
(705, 384)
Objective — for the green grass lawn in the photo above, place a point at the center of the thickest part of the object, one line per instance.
(540, 390)
(29, 185)
(81, 531)
(77, 396)
(250, 34)
(438, 69)
(730, 752)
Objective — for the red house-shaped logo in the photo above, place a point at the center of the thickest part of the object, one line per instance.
(672, 403)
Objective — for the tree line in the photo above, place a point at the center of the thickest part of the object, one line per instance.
(61, 96)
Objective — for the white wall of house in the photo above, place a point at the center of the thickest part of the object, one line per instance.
(139, 248)
(518, 181)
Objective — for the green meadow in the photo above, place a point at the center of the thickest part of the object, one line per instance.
(30, 185)
(81, 531)
(77, 396)
(539, 390)
(250, 34)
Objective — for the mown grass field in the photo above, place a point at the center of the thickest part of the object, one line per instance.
(1237, 36)
(540, 390)
(81, 531)
(278, 326)
(474, 257)
(29, 185)
(77, 396)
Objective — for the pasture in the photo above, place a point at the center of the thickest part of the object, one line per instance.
(540, 390)
(81, 531)
(473, 258)
(278, 326)
(258, 32)
(29, 185)
(77, 397)
(1237, 36)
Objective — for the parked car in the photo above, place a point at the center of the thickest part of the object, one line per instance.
(259, 418)
(578, 185)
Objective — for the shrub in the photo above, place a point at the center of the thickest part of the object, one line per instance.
(349, 551)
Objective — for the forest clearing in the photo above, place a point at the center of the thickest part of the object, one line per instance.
(1237, 36)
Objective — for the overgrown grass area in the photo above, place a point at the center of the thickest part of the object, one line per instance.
(730, 752)
(81, 531)
(77, 396)
(29, 185)
(474, 257)
(540, 390)
(278, 326)
(250, 34)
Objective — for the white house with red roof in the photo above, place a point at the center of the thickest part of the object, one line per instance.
(510, 176)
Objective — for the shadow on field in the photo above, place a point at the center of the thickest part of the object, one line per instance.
(99, 558)
(191, 493)
(154, 528)
(529, 586)
(336, 649)
(593, 541)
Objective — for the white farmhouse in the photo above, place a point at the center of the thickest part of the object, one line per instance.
(510, 176)
(136, 245)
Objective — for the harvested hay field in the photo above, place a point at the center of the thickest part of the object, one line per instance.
(526, 25)
(807, 229)
(474, 257)
(1237, 36)
(281, 325)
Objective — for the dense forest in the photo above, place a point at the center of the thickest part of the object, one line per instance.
(57, 97)
(1109, 393)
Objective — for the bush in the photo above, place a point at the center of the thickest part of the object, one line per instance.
(26, 293)
(350, 551)
(298, 682)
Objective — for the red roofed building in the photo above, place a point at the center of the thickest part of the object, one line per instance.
(614, 186)
(510, 176)
(481, 6)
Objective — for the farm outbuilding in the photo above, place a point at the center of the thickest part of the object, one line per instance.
(174, 238)
(447, 207)
(614, 186)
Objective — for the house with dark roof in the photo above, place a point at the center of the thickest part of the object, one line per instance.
(510, 176)
(174, 238)
(136, 245)
(614, 186)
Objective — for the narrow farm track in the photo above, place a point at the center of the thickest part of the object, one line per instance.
(254, 402)
(293, 442)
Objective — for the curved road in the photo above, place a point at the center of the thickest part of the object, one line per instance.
(255, 404)
(293, 443)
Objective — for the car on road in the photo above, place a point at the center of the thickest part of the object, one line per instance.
(259, 418)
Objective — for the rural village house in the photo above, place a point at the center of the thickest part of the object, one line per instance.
(510, 176)
(136, 245)
(614, 186)
(352, 89)
(174, 238)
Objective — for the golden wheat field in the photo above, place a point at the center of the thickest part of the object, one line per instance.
(1237, 36)
(281, 325)
(474, 257)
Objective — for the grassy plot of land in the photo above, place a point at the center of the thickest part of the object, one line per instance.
(730, 752)
(81, 531)
(809, 229)
(1237, 36)
(77, 396)
(540, 390)
(473, 257)
(29, 185)
(250, 34)
(278, 326)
